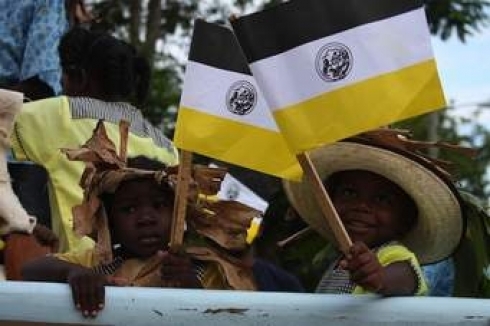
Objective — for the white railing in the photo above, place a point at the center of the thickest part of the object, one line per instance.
(23, 303)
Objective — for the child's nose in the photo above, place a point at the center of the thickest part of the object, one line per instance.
(148, 215)
(364, 204)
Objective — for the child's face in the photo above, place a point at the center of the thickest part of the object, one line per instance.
(373, 209)
(141, 216)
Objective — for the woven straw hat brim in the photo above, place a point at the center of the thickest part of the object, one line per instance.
(440, 223)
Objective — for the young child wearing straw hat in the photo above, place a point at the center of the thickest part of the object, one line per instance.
(399, 207)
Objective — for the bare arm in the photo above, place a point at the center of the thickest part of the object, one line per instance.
(87, 287)
(399, 279)
(48, 269)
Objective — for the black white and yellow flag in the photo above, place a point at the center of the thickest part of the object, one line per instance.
(334, 68)
(222, 112)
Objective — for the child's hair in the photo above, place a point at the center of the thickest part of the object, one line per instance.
(121, 72)
(143, 163)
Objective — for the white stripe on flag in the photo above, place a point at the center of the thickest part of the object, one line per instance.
(206, 90)
(377, 48)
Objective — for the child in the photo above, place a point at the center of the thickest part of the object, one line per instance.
(139, 215)
(399, 208)
(128, 209)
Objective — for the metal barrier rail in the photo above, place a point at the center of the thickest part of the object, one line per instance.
(31, 303)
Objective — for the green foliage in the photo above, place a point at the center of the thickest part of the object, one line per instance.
(465, 131)
(464, 17)
(164, 95)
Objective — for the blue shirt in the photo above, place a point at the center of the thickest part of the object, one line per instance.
(440, 278)
(30, 31)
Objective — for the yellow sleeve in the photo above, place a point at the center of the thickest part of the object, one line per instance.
(85, 258)
(393, 253)
(37, 124)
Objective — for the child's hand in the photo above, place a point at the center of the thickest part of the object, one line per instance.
(46, 237)
(88, 289)
(178, 271)
(364, 267)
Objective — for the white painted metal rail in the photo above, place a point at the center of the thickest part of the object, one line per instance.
(29, 303)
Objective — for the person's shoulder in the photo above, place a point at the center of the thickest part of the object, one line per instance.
(393, 246)
(394, 251)
(49, 103)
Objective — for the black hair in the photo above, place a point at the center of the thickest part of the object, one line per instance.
(121, 73)
(145, 163)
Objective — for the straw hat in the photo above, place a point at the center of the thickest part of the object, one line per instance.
(386, 152)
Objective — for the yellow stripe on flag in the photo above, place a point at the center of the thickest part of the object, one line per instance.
(362, 106)
(236, 143)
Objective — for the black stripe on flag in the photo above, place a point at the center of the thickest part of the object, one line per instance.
(215, 45)
(291, 24)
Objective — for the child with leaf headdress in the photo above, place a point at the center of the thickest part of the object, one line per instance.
(127, 209)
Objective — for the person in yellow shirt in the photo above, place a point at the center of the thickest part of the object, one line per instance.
(101, 74)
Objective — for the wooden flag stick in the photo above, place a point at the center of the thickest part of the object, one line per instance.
(296, 236)
(325, 203)
(180, 203)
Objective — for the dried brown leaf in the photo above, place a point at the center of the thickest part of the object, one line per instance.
(224, 222)
(208, 179)
(238, 272)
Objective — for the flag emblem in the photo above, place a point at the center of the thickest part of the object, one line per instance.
(334, 62)
(241, 98)
(233, 191)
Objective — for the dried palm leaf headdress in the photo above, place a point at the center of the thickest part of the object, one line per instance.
(223, 222)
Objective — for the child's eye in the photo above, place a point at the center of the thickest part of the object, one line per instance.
(127, 209)
(384, 198)
(347, 192)
(160, 204)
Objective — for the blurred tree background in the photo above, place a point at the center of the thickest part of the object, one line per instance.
(162, 30)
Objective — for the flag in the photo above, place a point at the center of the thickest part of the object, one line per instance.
(223, 113)
(334, 68)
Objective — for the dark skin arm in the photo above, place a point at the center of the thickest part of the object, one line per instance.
(47, 269)
(396, 279)
(88, 288)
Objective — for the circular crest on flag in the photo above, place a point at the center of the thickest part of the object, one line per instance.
(241, 98)
(232, 191)
(333, 62)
